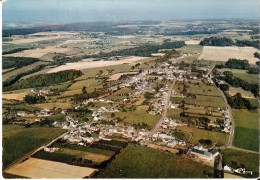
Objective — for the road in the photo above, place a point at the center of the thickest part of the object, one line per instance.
(28, 155)
(165, 110)
(230, 115)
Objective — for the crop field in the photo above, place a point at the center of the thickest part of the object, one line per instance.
(95, 64)
(115, 77)
(37, 168)
(215, 137)
(21, 70)
(200, 88)
(224, 53)
(30, 40)
(249, 160)
(138, 116)
(14, 96)
(250, 78)
(17, 138)
(246, 129)
(142, 162)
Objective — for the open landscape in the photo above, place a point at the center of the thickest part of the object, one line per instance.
(120, 97)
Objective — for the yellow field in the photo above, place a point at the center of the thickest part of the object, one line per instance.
(192, 42)
(37, 168)
(15, 96)
(246, 94)
(37, 53)
(213, 53)
(95, 64)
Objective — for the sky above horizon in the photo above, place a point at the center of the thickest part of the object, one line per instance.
(69, 11)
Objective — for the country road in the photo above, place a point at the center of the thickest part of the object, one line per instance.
(230, 115)
(165, 110)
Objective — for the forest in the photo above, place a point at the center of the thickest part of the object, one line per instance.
(17, 62)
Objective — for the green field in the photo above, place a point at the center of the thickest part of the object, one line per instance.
(250, 160)
(215, 137)
(141, 162)
(246, 129)
(138, 116)
(250, 78)
(201, 100)
(18, 140)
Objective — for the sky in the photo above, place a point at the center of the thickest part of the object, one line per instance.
(70, 11)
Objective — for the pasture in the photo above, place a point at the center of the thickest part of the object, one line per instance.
(213, 53)
(197, 134)
(246, 129)
(18, 140)
(142, 162)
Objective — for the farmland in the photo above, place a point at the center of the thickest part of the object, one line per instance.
(16, 139)
(142, 162)
(246, 129)
(224, 53)
(197, 134)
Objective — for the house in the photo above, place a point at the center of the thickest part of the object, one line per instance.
(204, 153)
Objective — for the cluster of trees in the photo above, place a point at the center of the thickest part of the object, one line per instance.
(238, 102)
(14, 51)
(146, 50)
(224, 41)
(32, 99)
(237, 64)
(257, 55)
(216, 41)
(44, 80)
(14, 79)
(17, 62)
(238, 82)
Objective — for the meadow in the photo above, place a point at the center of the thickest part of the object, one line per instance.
(142, 162)
(18, 140)
(246, 129)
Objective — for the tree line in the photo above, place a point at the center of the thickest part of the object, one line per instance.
(44, 80)
(238, 82)
(17, 62)
(224, 41)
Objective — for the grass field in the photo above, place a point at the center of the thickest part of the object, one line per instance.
(201, 100)
(245, 94)
(215, 137)
(142, 162)
(246, 129)
(18, 140)
(201, 88)
(250, 78)
(250, 160)
(138, 116)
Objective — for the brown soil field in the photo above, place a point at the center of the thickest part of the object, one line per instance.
(95, 64)
(213, 53)
(15, 96)
(37, 168)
